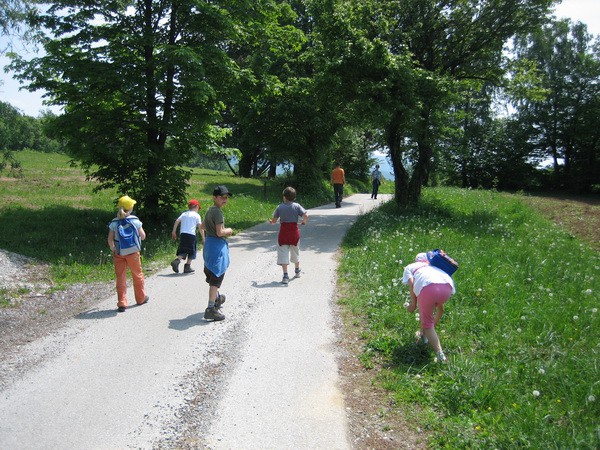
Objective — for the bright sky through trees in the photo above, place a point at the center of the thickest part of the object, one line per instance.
(30, 103)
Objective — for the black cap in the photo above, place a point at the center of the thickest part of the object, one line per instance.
(221, 190)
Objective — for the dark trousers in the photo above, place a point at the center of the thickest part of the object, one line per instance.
(338, 192)
(375, 189)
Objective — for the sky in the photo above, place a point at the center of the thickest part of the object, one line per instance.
(586, 11)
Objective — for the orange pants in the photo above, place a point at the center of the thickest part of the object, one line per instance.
(134, 263)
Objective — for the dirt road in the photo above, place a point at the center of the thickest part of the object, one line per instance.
(159, 376)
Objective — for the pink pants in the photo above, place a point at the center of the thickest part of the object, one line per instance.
(432, 296)
(134, 263)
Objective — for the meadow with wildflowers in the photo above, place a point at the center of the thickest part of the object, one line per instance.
(521, 332)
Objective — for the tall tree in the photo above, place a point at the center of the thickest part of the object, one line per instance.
(562, 125)
(409, 54)
(142, 84)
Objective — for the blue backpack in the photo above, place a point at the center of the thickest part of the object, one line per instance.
(129, 240)
(438, 258)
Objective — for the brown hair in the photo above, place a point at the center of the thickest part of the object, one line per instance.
(289, 193)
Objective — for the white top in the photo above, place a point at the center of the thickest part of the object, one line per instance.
(425, 274)
(189, 221)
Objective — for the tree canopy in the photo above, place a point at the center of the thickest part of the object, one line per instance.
(148, 86)
(143, 84)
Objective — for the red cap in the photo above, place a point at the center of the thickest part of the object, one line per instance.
(193, 202)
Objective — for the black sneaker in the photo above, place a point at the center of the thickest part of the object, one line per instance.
(285, 279)
(213, 314)
(175, 265)
(219, 301)
(188, 269)
(297, 273)
(122, 308)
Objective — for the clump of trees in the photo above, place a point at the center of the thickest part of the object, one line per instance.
(147, 88)
(20, 132)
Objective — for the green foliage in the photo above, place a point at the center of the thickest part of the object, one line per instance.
(12, 13)
(143, 86)
(18, 132)
(561, 125)
(520, 333)
(399, 62)
(54, 215)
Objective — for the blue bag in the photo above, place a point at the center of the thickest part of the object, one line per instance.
(129, 238)
(438, 258)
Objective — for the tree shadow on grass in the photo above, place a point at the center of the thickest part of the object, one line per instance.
(56, 233)
(469, 223)
(410, 356)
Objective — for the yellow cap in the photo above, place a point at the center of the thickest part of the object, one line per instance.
(126, 203)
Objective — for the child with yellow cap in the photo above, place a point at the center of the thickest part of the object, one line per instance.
(131, 260)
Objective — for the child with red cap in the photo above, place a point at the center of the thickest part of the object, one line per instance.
(190, 221)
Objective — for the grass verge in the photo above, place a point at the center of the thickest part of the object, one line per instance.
(521, 333)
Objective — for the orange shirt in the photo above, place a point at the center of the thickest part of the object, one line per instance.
(337, 176)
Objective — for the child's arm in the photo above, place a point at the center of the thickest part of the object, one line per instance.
(273, 220)
(111, 240)
(413, 297)
(222, 231)
(174, 232)
(201, 231)
(304, 219)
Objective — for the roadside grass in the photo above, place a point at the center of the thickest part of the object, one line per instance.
(521, 333)
(52, 214)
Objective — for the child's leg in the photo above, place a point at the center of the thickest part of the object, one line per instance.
(295, 255)
(214, 283)
(432, 336)
(283, 257)
(213, 291)
(429, 299)
(135, 266)
(121, 280)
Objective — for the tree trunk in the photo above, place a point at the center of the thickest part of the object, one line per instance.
(421, 172)
(394, 143)
(273, 170)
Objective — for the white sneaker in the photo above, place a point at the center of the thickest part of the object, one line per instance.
(440, 357)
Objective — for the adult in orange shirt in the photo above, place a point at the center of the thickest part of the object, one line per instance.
(338, 179)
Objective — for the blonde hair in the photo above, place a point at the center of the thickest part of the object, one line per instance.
(121, 213)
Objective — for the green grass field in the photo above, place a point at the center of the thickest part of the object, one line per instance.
(53, 215)
(521, 333)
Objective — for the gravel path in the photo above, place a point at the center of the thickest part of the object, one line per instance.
(159, 376)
